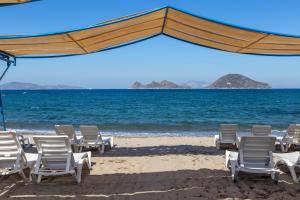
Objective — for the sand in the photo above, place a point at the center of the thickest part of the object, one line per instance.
(155, 168)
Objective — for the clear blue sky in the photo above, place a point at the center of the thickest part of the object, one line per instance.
(156, 59)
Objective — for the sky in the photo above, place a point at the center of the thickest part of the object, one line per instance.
(156, 59)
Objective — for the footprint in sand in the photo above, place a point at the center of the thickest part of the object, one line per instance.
(120, 161)
(117, 161)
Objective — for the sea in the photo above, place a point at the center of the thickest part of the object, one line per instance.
(128, 112)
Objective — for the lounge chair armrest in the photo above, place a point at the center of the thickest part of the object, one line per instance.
(289, 158)
(288, 137)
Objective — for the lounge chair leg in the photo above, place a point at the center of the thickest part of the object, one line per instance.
(293, 174)
(39, 179)
(78, 173)
(29, 176)
(111, 142)
(234, 173)
(227, 161)
(235, 177)
(33, 178)
(101, 149)
(274, 176)
(218, 144)
(22, 174)
(286, 148)
(282, 146)
(89, 160)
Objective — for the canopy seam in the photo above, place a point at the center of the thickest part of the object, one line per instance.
(76, 42)
(251, 43)
(165, 20)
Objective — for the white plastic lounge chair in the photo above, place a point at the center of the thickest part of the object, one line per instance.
(55, 157)
(227, 135)
(70, 132)
(12, 157)
(291, 139)
(254, 156)
(291, 160)
(66, 130)
(91, 137)
(261, 130)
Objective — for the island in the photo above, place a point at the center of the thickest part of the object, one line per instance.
(32, 86)
(237, 81)
(158, 85)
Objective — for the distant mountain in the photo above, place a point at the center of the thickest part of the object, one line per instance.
(195, 84)
(159, 85)
(32, 86)
(237, 81)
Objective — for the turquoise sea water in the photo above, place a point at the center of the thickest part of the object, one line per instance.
(141, 112)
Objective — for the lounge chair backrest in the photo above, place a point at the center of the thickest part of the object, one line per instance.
(228, 132)
(90, 133)
(261, 130)
(66, 130)
(256, 151)
(55, 152)
(11, 153)
(294, 131)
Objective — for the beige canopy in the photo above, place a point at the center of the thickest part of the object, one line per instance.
(13, 1)
(167, 21)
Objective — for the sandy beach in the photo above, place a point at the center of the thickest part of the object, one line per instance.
(155, 168)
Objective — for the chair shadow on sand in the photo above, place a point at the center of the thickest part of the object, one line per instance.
(182, 184)
(162, 150)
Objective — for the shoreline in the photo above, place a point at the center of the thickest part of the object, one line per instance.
(209, 133)
(30, 134)
(133, 89)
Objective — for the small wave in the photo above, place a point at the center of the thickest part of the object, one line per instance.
(34, 131)
(145, 134)
(34, 107)
(122, 133)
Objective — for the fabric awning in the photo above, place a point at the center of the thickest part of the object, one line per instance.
(13, 1)
(134, 28)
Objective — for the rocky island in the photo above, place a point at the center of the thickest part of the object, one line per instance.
(237, 81)
(159, 85)
(229, 81)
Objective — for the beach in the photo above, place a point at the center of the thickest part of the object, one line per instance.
(155, 168)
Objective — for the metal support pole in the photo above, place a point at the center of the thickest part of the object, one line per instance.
(7, 59)
(2, 112)
(1, 103)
